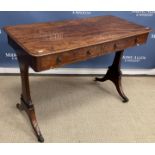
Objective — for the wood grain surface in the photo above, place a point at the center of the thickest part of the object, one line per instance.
(42, 39)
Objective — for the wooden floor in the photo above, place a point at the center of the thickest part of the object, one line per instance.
(77, 109)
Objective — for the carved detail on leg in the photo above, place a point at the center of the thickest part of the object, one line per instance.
(29, 109)
(20, 106)
(26, 103)
(114, 74)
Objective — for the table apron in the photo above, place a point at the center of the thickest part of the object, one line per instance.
(60, 59)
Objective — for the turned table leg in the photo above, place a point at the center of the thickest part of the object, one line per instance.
(26, 102)
(114, 74)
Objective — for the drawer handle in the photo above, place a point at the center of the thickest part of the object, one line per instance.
(58, 60)
(88, 53)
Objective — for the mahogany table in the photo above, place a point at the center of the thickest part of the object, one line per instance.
(42, 46)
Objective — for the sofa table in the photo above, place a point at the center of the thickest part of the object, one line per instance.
(42, 46)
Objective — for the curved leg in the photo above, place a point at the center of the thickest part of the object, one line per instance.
(119, 88)
(26, 103)
(114, 74)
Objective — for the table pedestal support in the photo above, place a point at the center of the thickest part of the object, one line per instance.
(26, 102)
(114, 74)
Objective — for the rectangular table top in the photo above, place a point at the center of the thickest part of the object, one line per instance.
(40, 39)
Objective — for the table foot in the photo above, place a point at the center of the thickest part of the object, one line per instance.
(29, 109)
(118, 85)
(114, 74)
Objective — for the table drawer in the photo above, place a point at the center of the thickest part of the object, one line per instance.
(124, 43)
(55, 60)
(68, 57)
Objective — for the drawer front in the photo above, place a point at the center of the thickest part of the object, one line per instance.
(56, 60)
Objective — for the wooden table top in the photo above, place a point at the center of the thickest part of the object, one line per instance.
(41, 39)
